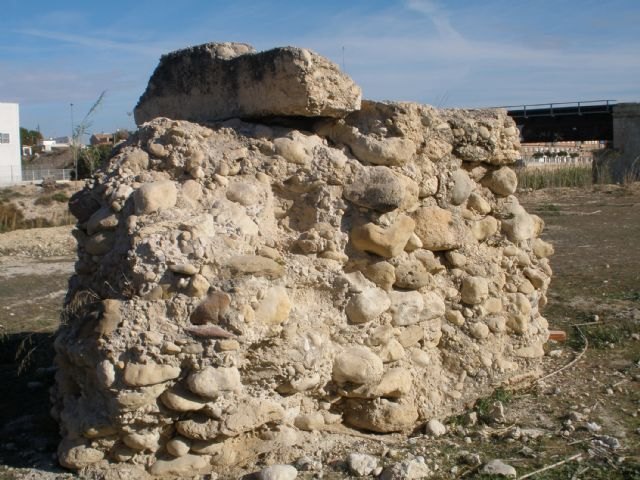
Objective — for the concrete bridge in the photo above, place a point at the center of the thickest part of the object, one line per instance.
(607, 120)
(566, 121)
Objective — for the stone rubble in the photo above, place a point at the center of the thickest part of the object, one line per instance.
(362, 464)
(246, 284)
(499, 469)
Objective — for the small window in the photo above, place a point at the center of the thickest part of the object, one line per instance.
(4, 138)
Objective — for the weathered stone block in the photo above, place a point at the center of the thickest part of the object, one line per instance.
(217, 81)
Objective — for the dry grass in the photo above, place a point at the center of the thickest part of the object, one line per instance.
(555, 176)
(60, 197)
(12, 217)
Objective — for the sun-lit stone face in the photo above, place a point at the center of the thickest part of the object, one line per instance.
(254, 282)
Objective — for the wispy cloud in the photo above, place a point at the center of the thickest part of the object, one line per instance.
(461, 53)
(419, 52)
(93, 42)
(438, 16)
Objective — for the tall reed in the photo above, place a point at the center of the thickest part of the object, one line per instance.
(554, 176)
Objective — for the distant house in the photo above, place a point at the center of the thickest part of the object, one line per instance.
(51, 144)
(10, 158)
(101, 139)
(47, 145)
(66, 141)
(108, 138)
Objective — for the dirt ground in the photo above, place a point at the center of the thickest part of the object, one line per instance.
(587, 411)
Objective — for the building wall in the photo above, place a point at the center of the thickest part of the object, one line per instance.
(623, 163)
(10, 159)
(626, 128)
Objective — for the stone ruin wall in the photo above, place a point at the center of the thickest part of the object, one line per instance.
(242, 283)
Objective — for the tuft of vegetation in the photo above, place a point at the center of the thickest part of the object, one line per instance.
(629, 295)
(7, 194)
(601, 335)
(483, 405)
(549, 209)
(59, 197)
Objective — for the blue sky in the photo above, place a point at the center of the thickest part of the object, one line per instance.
(457, 53)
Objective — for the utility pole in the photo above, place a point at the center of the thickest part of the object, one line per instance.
(74, 153)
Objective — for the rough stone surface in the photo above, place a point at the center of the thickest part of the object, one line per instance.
(367, 306)
(478, 203)
(278, 472)
(75, 454)
(386, 242)
(461, 188)
(438, 229)
(222, 300)
(376, 188)
(380, 415)
(474, 290)
(502, 181)
(499, 469)
(186, 464)
(217, 81)
(138, 375)
(357, 365)
(362, 464)
(211, 382)
(154, 196)
(406, 307)
(410, 469)
(436, 428)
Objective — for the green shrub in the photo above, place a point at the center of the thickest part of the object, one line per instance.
(483, 405)
(60, 197)
(44, 200)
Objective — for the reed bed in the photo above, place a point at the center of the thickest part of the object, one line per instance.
(554, 176)
(11, 218)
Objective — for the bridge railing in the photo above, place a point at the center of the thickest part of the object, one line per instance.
(561, 108)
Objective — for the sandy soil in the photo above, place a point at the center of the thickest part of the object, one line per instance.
(38, 242)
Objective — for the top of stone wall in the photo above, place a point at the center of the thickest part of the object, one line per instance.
(218, 81)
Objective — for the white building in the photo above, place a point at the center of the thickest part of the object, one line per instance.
(10, 159)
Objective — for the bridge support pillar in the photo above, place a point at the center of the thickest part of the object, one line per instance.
(622, 164)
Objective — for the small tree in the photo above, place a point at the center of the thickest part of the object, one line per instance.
(120, 135)
(29, 138)
(82, 129)
(91, 158)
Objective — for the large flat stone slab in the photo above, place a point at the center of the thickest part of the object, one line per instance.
(218, 81)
